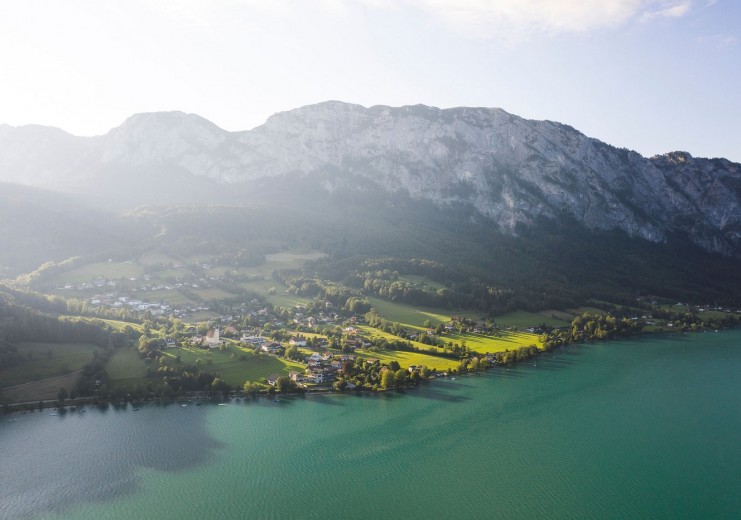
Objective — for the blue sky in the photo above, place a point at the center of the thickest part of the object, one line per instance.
(650, 75)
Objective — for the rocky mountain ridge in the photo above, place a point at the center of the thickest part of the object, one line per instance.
(512, 171)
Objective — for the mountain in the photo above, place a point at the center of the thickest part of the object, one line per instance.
(511, 172)
(39, 226)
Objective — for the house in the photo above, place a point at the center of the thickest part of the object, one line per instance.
(272, 379)
(298, 377)
(257, 341)
(298, 342)
(170, 343)
(212, 338)
(315, 358)
(272, 348)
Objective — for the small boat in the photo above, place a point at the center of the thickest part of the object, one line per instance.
(136, 409)
(276, 401)
(222, 404)
(54, 414)
(183, 405)
(452, 379)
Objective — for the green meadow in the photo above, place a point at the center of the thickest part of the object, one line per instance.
(409, 316)
(491, 344)
(228, 365)
(524, 319)
(109, 270)
(46, 360)
(406, 359)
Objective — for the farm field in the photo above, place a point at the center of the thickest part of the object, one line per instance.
(109, 270)
(235, 371)
(406, 359)
(412, 316)
(48, 360)
(39, 390)
(375, 333)
(524, 319)
(492, 344)
(126, 364)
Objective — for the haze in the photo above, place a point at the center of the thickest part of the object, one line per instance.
(649, 75)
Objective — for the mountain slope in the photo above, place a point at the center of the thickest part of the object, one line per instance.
(511, 171)
(39, 226)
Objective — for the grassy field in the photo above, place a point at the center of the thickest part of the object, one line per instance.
(491, 344)
(126, 369)
(49, 360)
(120, 325)
(375, 333)
(236, 371)
(155, 258)
(110, 270)
(582, 310)
(200, 316)
(293, 259)
(213, 294)
(407, 315)
(406, 359)
(172, 297)
(556, 314)
(39, 390)
(125, 363)
(524, 319)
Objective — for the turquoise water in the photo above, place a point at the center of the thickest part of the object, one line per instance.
(636, 429)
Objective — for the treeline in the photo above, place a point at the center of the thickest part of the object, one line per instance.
(590, 327)
(307, 286)
(24, 323)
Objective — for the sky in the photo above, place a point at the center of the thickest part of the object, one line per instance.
(649, 75)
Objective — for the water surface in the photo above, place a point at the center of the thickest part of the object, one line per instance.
(634, 429)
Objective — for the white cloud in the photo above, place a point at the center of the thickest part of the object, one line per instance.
(516, 20)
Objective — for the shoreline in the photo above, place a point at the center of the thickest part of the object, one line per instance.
(200, 398)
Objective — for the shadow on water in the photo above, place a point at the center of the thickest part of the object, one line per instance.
(442, 396)
(329, 400)
(98, 456)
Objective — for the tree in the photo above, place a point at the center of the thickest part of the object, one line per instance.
(285, 385)
(219, 385)
(388, 379)
(250, 388)
(62, 394)
(167, 391)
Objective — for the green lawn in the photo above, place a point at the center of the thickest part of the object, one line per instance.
(155, 258)
(125, 363)
(491, 344)
(236, 371)
(120, 325)
(199, 316)
(524, 319)
(48, 360)
(110, 270)
(172, 297)
(407, 315)
(405, 359)
(556, 314)
(213, 294)
(44, 389)
(375, 333)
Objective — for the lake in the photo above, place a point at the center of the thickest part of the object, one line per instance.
(646, 428)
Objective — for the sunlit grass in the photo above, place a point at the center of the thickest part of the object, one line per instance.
(406, 359)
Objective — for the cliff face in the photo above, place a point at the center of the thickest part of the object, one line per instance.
(511, 170)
